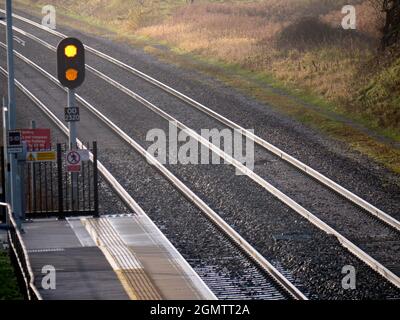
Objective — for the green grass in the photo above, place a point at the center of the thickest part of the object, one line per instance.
(8, 283)
(381, 96)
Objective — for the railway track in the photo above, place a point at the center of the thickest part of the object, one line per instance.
(260, 281)
(368, 207)
(385, 220)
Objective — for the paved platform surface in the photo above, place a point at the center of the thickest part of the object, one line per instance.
(112, 257)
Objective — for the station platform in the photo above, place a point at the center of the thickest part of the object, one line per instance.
(115, 257)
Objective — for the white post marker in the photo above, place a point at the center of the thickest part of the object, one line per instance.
(72, 116)
(16, 196)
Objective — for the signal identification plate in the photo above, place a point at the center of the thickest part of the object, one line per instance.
(72, 114)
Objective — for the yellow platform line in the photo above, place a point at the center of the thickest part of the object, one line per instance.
(138, 278)
(127, 267)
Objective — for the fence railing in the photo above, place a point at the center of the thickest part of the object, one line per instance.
(52, 191)
(20, 255)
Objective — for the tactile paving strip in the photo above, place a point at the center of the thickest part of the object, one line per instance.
(129, 270)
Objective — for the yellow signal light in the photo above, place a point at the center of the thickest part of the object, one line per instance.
(71, 74)
(70, 51)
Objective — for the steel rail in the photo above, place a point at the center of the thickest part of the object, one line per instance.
(30, 284)
(114, 184)
(374, 264)
(273, 149)
(229, 232)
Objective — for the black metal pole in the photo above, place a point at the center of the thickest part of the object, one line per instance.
(95, 181)
(60, 184)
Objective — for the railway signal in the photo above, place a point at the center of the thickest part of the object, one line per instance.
(71, 74)
(71, 63)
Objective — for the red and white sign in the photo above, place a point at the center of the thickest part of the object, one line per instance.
(37, 139)
(73, 159)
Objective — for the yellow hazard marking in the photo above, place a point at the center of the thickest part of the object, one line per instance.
(46, 156)
(31, 157)
(41, 156)
(130, 291)
(130, 272)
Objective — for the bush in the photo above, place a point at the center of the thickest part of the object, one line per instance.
(8, 284)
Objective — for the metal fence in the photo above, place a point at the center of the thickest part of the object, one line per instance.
(53, 191)
(20, 257)
(48, 192)
(48, 187)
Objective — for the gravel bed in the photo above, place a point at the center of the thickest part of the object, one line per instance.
(313, 258)
(347, 218)
(233, 276)
(332, 158)
(382, 243)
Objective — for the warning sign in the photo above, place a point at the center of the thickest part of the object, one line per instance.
(14, 143)
(37, 139)
(41, 156)
(73, 160)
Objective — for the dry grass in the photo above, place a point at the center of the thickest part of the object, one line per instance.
(299, 42)
(308, 50)
(260, 37)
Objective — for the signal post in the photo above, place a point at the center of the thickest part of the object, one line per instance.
(71, 74)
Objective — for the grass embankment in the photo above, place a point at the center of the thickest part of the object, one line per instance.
(331, 78)
(8, 283)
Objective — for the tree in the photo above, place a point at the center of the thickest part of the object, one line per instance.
(391, 29)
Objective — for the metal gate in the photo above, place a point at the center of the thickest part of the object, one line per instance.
(52, 191)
